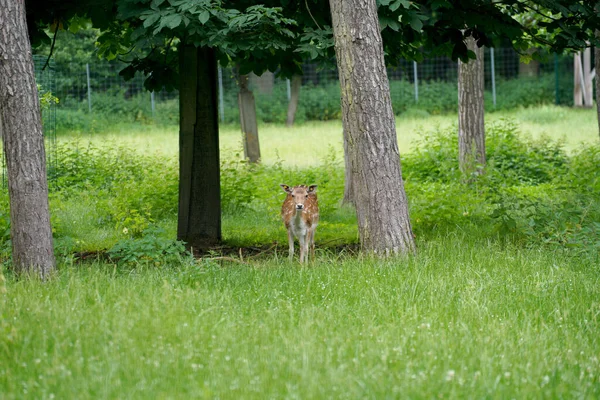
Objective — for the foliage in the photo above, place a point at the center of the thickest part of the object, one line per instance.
(512, 158)
(317, 103)
(5, 241)
(280, 34)
(533, 194)
(46, 98)
(152, 249)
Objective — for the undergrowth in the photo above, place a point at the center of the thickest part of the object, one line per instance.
(113, 199)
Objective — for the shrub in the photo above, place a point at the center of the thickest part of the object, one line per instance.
(150, 249)
(511, 157)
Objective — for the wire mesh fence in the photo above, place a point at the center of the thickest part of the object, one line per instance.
(96, 90)
(90, 95)
(46, 83)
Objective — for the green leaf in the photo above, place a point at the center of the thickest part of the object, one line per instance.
(156, 3)
(150, 19)
(416, 23)
(172, 21)
(203, 17)
(395, 5)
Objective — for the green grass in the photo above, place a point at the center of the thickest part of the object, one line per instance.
(500, 301)
(461, 319)
(307, 144)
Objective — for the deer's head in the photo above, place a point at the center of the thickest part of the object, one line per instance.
(299, 194)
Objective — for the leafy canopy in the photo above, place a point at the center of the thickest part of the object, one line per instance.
(280, 34)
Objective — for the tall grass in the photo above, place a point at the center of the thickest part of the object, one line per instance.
(461, 319)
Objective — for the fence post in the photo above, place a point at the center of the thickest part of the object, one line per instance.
(89, 87)
(221, 101)
(416, 79)
(493, 71)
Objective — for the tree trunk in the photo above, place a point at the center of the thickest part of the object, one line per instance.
(348, 196)
(597, 67)
(199, 219)
(248, 121)
(370, 132)
(263, 83)
(471, 131)
(23, 139)
(587, 78)
(294, 97)
(531, 69)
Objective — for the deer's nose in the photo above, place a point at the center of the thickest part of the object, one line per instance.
(299, 206)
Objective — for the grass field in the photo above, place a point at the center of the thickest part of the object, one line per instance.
(501, 300)
(307, 144)
(462, 319)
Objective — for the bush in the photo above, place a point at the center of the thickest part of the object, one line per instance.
(152, 248)
(511, 157)
(532, 191)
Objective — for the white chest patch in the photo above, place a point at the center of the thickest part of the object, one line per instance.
(299, 227)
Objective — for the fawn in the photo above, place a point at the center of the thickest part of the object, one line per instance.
(300, 213)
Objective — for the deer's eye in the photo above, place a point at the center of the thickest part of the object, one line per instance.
(307, 196)
(293, 195)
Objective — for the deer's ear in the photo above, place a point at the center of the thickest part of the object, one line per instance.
(285, 188)
(312, 188)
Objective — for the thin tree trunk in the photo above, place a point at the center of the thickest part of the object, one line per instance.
(23, 139)
(263, 83)
(531, 69)
(587, 78)
(294, 97)
(199, 219)
(370, 132)
(248, 123)
(597, 67)
(471, 131)
(577, 79)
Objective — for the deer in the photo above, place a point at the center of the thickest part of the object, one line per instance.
(300, 214)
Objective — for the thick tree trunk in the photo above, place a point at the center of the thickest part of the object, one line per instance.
(348, 196)
(370, 131)
(294, 97)
(247, 108)
(471, 131)
(23, 139)
(199, 219)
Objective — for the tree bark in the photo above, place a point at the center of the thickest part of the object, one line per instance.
(199, 219)
(531, 69)
(597, 67)
(23, 139)
(370, 132)
(248, 123)
(263, 83)
(348, 196)
(471, 131)
(587, 78)
(294, 97)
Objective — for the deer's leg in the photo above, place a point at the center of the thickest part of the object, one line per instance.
(311, 242)
(303, 246)
(291, 243)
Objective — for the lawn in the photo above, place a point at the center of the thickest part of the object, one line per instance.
(501, 299)
(461, 319)
(308, 144)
